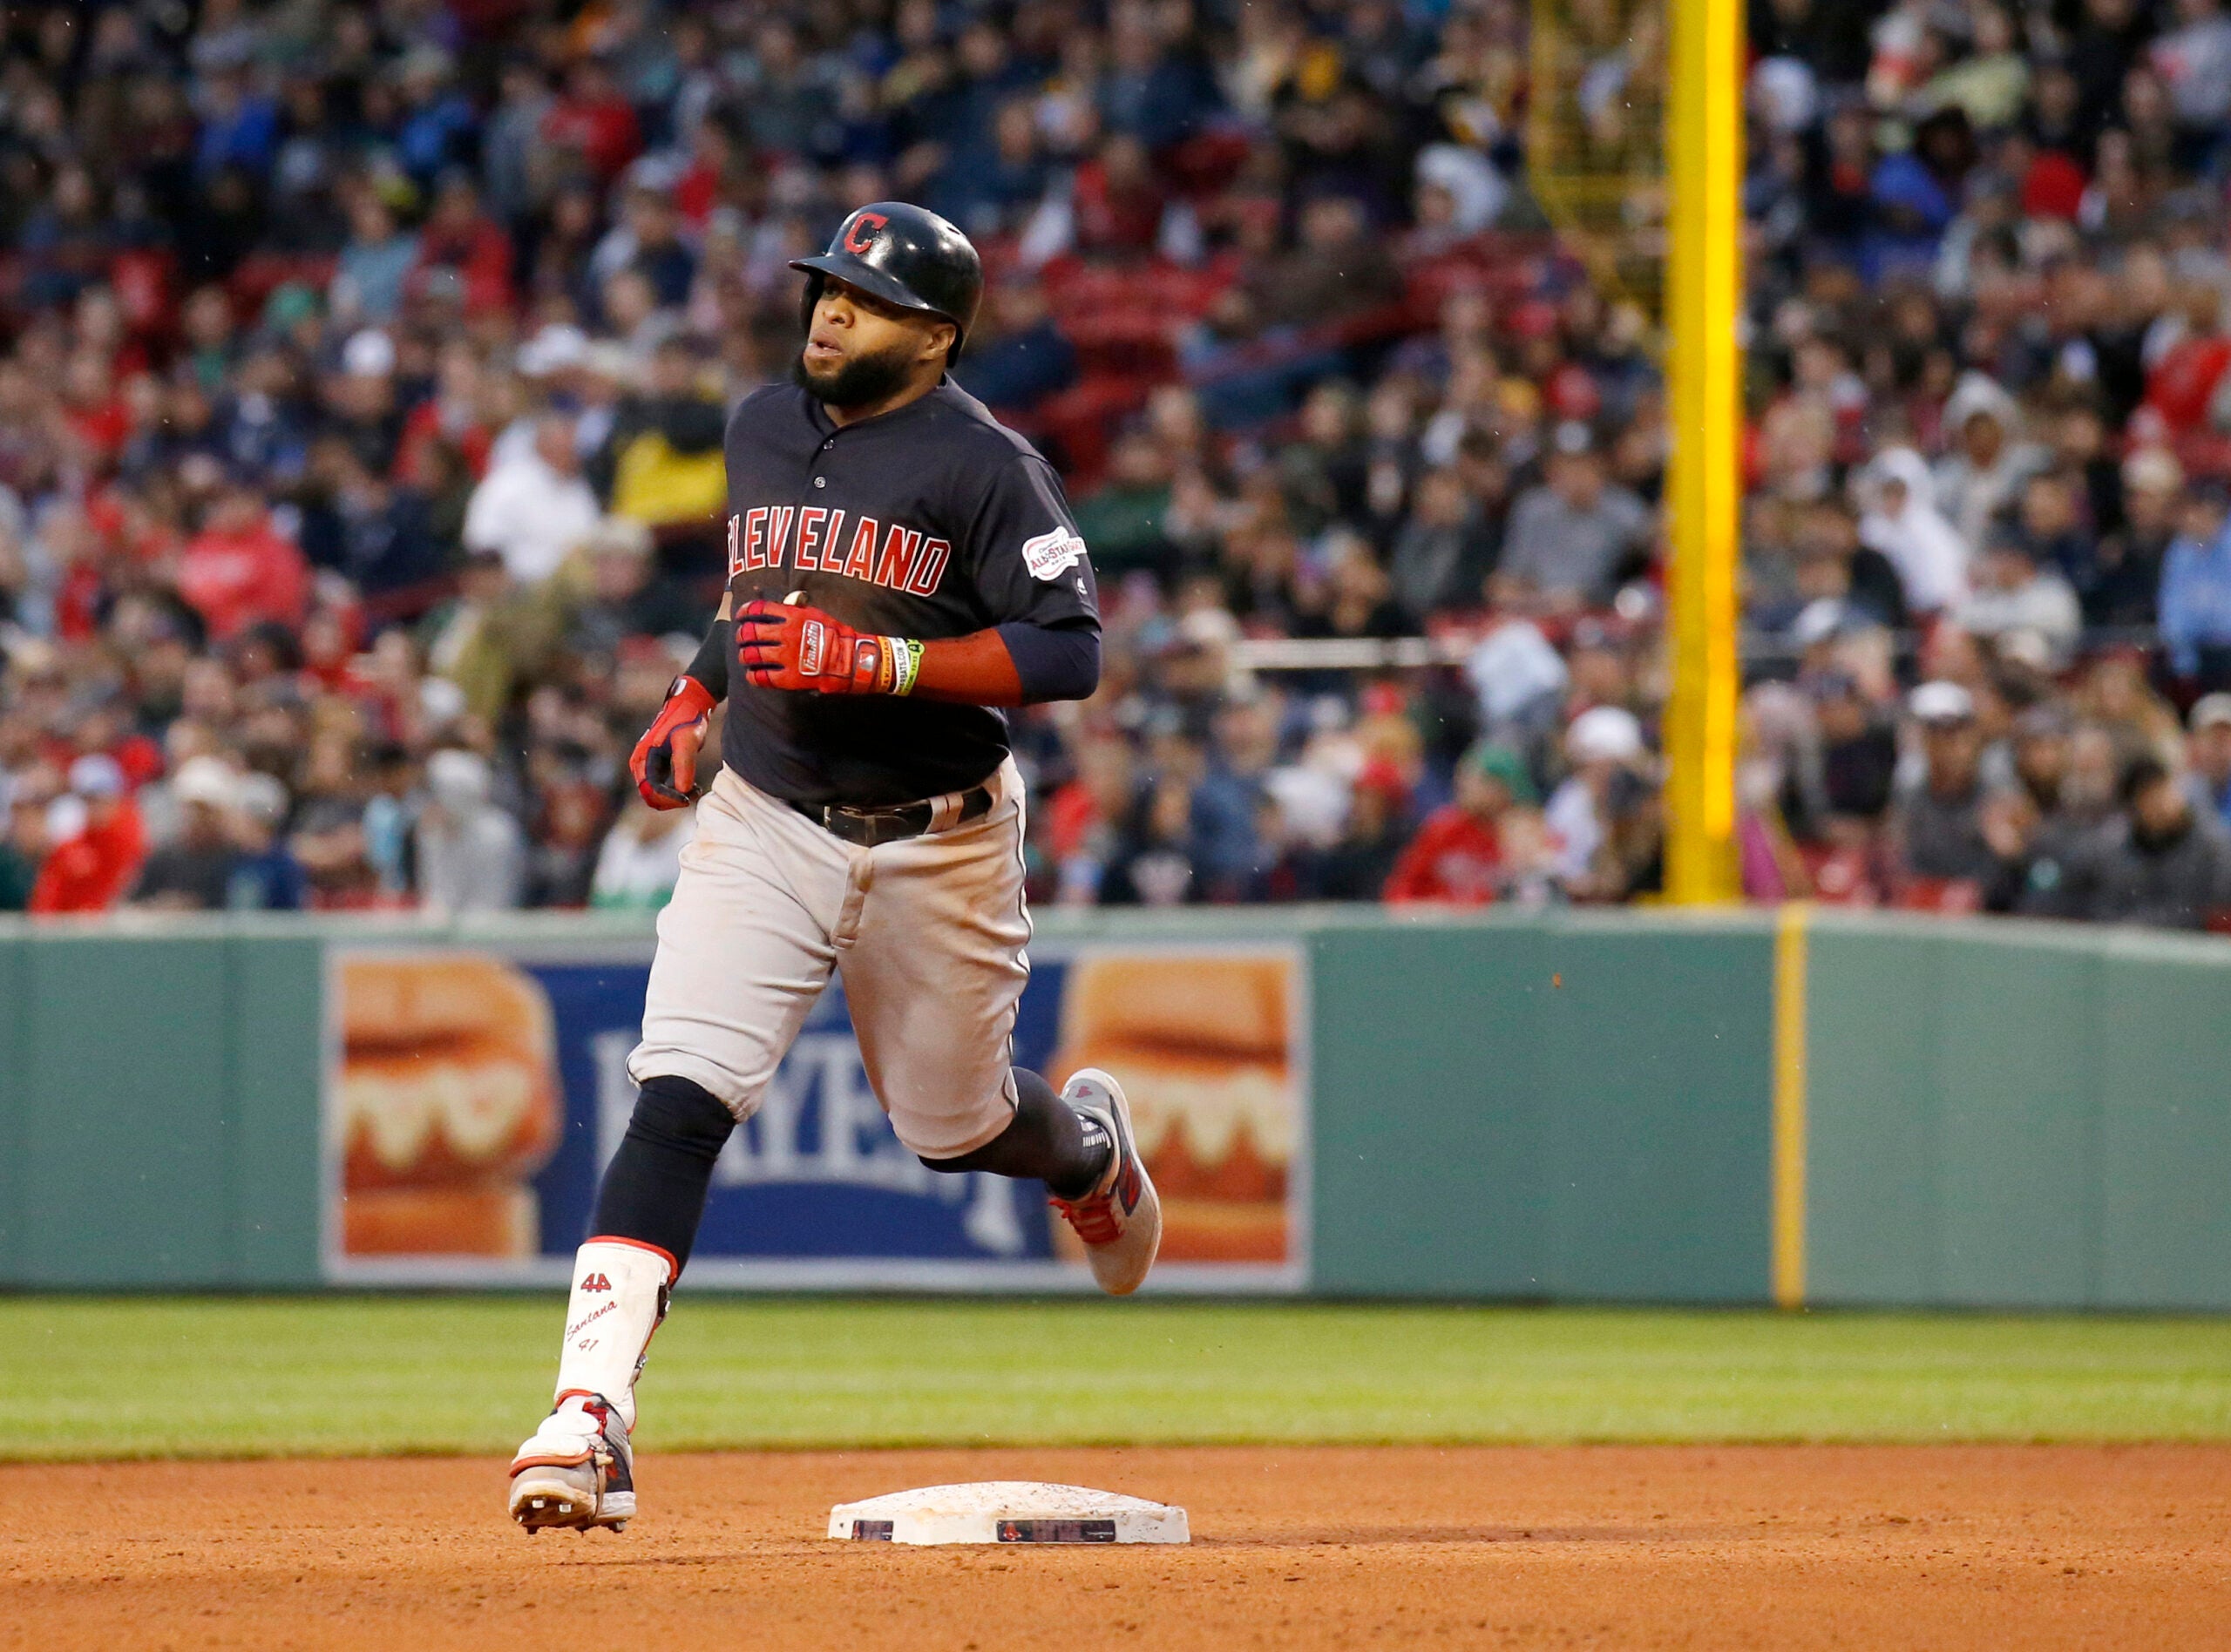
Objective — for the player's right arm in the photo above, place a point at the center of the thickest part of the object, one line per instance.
(1022, 553)
(801, 649)
(665, 760)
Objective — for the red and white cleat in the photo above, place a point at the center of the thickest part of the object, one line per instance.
(1120, 1221)
(578, 1470)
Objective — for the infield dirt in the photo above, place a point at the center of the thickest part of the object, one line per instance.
(2000, 1547)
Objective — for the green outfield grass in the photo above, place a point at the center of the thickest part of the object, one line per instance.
(163, 1376)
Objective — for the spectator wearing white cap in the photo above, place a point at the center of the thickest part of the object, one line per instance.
(533, 508)
(2049, 838)
(2129, 579)
(266, 876)
(93, 861)
(2209, 752)
(556, 349)
(560, 363)
(602, 383)
(471, 857)
(1937, 831)
(192, 872)
(362, 399)
(368, 354)
(1603, 743)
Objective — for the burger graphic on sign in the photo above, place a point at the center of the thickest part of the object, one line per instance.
(447, 1103)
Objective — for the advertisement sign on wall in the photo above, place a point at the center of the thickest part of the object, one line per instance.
(473, 1097)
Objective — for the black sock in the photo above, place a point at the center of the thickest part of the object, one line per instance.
(1047, 1140)
(653, 1189)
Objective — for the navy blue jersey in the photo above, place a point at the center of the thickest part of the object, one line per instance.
(932, 520)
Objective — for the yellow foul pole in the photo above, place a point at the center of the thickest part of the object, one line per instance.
(1704, 131)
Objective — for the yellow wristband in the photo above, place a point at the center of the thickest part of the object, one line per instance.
(906, 654)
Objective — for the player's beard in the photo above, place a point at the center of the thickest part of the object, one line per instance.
(863, 380)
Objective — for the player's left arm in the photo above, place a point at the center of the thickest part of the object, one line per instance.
(1027, 563)
(665, 760)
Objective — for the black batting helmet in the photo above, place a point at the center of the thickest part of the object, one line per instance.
(904, 256)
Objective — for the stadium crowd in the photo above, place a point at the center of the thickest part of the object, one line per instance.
(363, 365)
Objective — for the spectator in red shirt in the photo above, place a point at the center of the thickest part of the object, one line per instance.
(89, 870)
(2182, 383)
(594, 121)
(1117, 200)
(76, 551)
(97, 416)
(1082, 816)
(239, 570)
(1457, 855)
(456, 414)
(457, 235)
(711, 172)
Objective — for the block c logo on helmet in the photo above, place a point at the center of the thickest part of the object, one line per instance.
(863, 231)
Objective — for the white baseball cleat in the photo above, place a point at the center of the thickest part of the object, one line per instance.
(1120, 1221)
(578, 1470)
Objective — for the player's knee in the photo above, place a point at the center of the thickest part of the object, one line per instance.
(683, 1114)
(996, 1155)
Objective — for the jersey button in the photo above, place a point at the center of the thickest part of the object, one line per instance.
(830, 443)
(821, 481)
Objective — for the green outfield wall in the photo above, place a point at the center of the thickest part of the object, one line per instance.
(1739, 1107)
(1574, 1107)
(2016, 1114)
(159, 1106)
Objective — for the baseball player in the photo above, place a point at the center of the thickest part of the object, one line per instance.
(900, 566)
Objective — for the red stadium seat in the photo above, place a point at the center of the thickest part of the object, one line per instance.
(1079, 421)
(1130, 341)
(1204, 163)
(145, 281)
(1840, 876)
(1950, 895)
(262, 274)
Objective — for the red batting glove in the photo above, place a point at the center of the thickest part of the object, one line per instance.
(801, 649)
(665, 763)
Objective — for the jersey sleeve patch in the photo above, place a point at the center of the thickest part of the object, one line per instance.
(1050, 555)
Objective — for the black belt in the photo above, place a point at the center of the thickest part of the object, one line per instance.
(869, 827)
